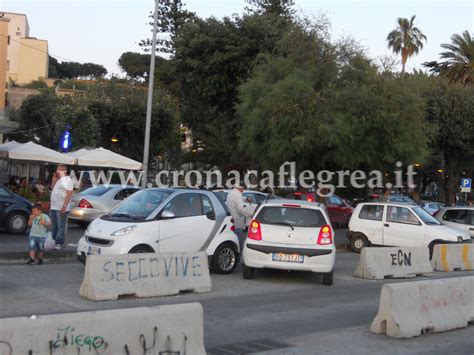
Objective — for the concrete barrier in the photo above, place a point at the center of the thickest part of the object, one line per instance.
(175, 329)
(453, 257)
(409, 309)
(106, 277)
(378, 263)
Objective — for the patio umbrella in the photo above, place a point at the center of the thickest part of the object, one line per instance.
(33, 152)
(104, 158)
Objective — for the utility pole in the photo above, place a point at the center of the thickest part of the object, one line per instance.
(149, 105)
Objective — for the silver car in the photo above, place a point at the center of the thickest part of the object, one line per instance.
(97, 201)
(458, 217)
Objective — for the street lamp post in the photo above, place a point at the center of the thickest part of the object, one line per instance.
(146, 148)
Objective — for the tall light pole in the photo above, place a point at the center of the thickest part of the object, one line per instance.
(149, 104)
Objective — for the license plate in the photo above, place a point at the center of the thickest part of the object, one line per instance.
(94, 251)
(289, 258)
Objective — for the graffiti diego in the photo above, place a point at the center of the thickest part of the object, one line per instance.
(67, 337)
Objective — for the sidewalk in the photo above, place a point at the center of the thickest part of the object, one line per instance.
(14, 247)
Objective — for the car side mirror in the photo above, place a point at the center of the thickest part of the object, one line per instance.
(211, 215)
(167, 215)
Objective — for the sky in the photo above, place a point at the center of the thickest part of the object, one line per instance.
(99, 31)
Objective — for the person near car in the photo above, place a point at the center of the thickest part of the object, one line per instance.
(62, 188)
(39, 224)
(235, 203)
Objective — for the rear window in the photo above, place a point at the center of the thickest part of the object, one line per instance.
(372, 212)
(297, 217)
(95, 191)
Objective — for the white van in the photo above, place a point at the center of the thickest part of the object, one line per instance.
(166, 220)
(395, 224)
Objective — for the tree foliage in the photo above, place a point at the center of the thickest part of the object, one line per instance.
(457, 63)
(75, 70)
(406, 39)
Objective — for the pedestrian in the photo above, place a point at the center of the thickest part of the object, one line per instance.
(39, 223)
(61, 194)
(235, 203)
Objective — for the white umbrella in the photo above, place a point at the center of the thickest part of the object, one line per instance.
(33, 152)
(101, 157)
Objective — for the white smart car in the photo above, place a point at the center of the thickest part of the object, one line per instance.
(290, 235)
(401, 225)
(166, 220)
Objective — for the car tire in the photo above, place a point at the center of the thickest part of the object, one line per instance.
(359, 241)
(248, 272)
(224, 259)
(140, 249)
(328, 278)
(16, 223)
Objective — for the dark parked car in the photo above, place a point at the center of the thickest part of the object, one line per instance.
(339, 210)
(14, 211)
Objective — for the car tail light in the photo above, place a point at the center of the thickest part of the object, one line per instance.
(290, 205)
(325, 235)
(84, 204)
(310, 198)
(232, 227)
(255, 231)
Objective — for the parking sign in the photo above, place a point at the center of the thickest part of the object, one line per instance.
(466, 184)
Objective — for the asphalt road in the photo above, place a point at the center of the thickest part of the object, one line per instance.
(289, 309)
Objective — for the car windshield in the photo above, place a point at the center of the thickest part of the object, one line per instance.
(138, 206)
(291, 216)
(425, 216)
(95, 191)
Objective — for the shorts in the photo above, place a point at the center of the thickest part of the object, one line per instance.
(36, 243)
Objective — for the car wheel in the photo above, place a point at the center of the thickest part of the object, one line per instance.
(359, 241)
(247, 272)
(327, 278)
(139, 249)
(225, 259)
(16, 223)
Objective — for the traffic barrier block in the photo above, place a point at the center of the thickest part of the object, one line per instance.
(174, 329)
(409, 309)
(453, 257)
(379, 263)
(107, 277)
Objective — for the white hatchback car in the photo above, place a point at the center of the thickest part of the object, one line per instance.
(395, 224)
(457, 217)
(290, 235)
(166, 220)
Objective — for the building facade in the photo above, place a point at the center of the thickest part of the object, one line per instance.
(5, 124)
(27, 57)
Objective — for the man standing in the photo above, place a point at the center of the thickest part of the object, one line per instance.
(235, 203)
(61, 194)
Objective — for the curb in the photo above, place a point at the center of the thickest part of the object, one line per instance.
(22, 256)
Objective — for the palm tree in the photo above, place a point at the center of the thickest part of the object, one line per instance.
(406, 39)
(458, 65)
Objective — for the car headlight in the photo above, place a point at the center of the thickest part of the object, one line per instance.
(124, 231)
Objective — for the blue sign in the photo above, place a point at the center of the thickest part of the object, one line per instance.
(466, 182)
(65, 141)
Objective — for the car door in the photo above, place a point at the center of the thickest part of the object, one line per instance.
(470, 223)
(192, 224)
(457, 218)
(5, 201)
(336, 209)
(402, 228)
(371, 224)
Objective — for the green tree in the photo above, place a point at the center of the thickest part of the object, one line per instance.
(172, 15)
(457, 62)
(135, 65)
(406, 39)
(272, 7)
